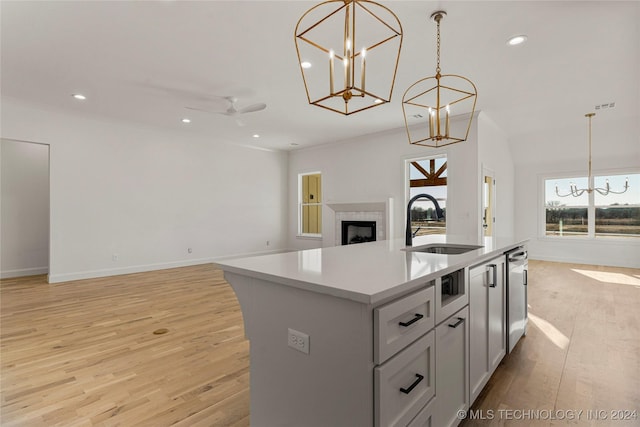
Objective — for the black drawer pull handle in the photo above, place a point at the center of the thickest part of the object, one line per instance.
(455, 325)
(412, 321)
(412, 386)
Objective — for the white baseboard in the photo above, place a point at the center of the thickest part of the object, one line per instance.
(92, 274)
(9, 274)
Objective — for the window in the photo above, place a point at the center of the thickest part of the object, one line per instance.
(427, 175)
(310, 203)
(593, 214)
(617, 215)
(566, 216)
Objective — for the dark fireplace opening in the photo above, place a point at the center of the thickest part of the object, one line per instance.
(358, 232)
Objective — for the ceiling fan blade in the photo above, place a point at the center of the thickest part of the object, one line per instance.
(208, 111)
(252, 108)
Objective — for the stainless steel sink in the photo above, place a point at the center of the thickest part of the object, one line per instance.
(443, 248)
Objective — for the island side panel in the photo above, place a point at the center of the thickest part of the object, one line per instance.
(330, 386)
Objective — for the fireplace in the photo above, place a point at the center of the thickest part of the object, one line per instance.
(368, 214)
(358, 232)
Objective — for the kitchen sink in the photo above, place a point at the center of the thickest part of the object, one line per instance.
(443, 249)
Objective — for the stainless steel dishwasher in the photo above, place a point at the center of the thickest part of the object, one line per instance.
(517, 317)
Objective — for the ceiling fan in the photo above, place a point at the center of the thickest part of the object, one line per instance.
(232, 109)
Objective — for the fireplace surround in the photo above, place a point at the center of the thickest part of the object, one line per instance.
(378, 212)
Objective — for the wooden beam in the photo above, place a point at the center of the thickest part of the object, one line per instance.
(441, 170)
(432, 178)
(427, 182)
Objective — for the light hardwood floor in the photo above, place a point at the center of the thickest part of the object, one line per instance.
(83, 353)
(581, 352)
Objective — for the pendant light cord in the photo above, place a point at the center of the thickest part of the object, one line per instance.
(438, 19)
(590, 115)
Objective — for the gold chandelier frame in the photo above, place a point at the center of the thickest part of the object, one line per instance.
(352, 88)
(428, 99)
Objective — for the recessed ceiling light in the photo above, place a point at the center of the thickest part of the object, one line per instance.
(79, 96)
(378, 101)
(516, 40)
(255, 135)
(305, 64)
(185, 120)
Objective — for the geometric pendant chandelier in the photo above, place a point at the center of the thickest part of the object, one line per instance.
(348, 52)
(431, 105)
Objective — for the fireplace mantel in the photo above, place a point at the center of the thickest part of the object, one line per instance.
(358, 207)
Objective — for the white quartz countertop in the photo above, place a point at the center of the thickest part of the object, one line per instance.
(371, 273)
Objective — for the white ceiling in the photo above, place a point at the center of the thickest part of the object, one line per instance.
(144, 62)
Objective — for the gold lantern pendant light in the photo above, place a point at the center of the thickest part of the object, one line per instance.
(343, 70)
(430, 104)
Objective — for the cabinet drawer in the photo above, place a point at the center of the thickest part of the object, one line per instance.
(405, 383)
(399, 323)
(425, 416)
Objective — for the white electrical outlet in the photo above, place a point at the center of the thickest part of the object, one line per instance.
(299, 341)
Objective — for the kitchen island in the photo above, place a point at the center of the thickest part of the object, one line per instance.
(351, 335)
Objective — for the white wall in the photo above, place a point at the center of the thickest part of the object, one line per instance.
(146, 195)
(615, 146)
(24, 229)
(371, 169)
(494, 154)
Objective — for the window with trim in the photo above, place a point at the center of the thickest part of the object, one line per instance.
(310, 204)
(427, 175)
(593, 214)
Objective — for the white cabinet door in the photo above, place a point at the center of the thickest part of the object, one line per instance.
(487, 337)
(478, 334)
(452, 374)
(497, 316)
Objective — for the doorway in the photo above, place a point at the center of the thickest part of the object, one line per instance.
(24, 226)
(427, 175)
(488, 204)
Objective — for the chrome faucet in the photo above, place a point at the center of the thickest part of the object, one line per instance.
(439, 214)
